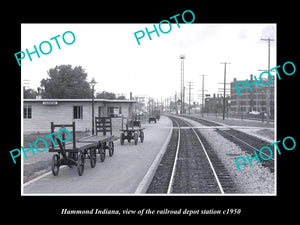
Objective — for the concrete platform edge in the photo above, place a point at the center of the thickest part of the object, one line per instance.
(144, 184)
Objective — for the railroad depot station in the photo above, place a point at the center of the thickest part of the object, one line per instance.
(39, 113)
(138, 148)
(130, 154)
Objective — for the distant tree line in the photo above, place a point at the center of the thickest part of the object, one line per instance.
(108, 95)
(65, 82)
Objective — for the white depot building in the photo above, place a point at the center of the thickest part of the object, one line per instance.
(39, 113)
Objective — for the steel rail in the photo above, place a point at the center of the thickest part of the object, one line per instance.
(211, 165)
(175, 161)
(240, 140)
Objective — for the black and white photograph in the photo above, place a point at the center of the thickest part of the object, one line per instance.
(177, 114)
(174, 115)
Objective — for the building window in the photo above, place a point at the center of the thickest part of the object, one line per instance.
(114, 111)
(27, 112)
(243, 109)
(77, 112)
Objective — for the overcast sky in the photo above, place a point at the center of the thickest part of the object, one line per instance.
(111, 54)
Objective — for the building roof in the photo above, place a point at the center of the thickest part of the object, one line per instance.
(80, 100)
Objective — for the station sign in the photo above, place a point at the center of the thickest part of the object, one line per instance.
(50, 103)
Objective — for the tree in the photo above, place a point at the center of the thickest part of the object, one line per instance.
(66, 82)
(106, 95)
(29, 93)
(122, 97)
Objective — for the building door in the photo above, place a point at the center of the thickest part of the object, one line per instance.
(100, 111)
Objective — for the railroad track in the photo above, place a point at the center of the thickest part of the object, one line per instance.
(246, 142)
(190, 165)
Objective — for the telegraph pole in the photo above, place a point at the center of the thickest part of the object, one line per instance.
(182, 57)
(224, 88)
(202, 101)
(268, 89)
(189, 84)
(26, 84)
(176, 110)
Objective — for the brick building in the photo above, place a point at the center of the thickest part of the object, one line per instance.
(215, 104)
(251, 101)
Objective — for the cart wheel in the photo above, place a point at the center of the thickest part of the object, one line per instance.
(136, 138)
(122, 139)
(111, 148)
(142, 136)
(93, 157)
(55, 164)
(80, 163)
(102, 154)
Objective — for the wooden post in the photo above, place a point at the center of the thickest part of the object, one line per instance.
(52, 130)
(122, 123)
(74, 135)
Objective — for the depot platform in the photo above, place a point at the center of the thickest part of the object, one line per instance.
(129, 169)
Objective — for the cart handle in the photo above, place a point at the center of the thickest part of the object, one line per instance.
(63, 152)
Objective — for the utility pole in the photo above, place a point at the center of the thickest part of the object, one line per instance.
(26, 84)
(268, 89)
(176, 103)
(189, 84)
(227, 92)
(202, 101)
(224, 88)
(182, 57)
(183, 108)
(93, 83)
